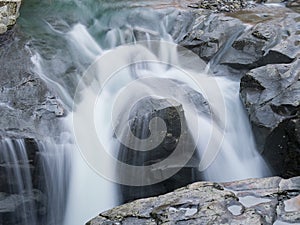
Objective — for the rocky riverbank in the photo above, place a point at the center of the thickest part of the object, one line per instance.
(255, 201)
(258, 45)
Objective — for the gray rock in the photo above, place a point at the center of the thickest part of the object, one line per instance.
(17, 208)
(276, 40)
(9, 12)
(220, 5)
(271, 95)
(211, 33)
(260, 201)
(26, 103)
(177, 138)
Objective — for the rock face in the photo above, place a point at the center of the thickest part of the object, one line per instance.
(9, 12)
(253, 201)
(271, 42)
(263, 45)
(26, 109)
(25, 101)
(271, 95)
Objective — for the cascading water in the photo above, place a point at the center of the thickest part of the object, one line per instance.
(15, 169)
(35, 174)
(226, 131)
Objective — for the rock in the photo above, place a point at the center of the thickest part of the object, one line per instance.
(276, 40)
(210, 33)
(25, 101)
(176, 138)
(220, 5)
(271, 96)
(9, 12)
(253, 201)
(17, 208)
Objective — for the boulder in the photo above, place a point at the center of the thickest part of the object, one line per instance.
(9, 12)
(252, 201)
(211, 33)
(271, 95)
(177, 142)
(272, 41)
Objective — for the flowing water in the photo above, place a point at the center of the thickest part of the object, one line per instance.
(19, 159)
(65, 38)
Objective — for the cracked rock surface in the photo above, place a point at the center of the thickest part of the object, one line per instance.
(271, 95)
(252, 201)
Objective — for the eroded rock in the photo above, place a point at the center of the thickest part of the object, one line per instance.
(209, 203)
(9, 12)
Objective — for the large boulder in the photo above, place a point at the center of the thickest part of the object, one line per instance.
(253, 201)
(271, 95)
(9, 12)
(177, 142)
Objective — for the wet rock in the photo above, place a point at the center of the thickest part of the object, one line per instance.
(209, 203)
(211, 33)
(176, 142)
(270, 42)
(271, 96)
(17, 208)
(9, 12)
(25, 101)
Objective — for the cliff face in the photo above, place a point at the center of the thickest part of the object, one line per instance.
(9, 12)
(253, 201)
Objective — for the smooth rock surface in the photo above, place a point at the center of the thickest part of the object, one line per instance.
(209, 203)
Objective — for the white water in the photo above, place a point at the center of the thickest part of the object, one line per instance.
(224, 139)
(13, 157)
(51, 166)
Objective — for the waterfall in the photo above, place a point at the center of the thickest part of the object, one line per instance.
(16, 174)
(102, 66)
(34, 174)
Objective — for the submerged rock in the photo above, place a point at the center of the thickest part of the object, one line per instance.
(258, 201)
(9, 12)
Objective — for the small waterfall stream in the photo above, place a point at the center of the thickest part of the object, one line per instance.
(36, 179)
(81, 49)
(15, 169)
